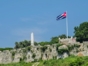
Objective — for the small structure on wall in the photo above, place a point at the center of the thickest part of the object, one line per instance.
(67, 40)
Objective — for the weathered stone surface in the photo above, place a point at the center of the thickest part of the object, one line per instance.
(65, 55)
(63, 47)
(36, 53)
(18, 55)
(29, 57)
(44, 57)
(5, 57)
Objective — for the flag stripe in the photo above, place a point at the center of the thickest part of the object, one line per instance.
(61, 16)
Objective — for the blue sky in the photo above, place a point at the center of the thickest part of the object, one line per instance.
(18, 18)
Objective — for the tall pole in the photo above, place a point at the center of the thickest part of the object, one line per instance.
(66, 25)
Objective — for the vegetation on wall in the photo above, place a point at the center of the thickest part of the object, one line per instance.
(43, 48)
(2, 49)
(23, 44)
(63, 36)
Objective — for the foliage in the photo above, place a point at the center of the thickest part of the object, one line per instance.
(50, 49)
(58, 46)
(81, 32)
(61, 51)
(54, 40)
(44, 43)
(35, 43)
(23, 44)
(25, 50)
(2, 49)
(76, 45)
(43, 48)
(17, 64)
(33, 56)
(70, 47)
(28, 48)
(63, 36)
(24, 57)
(13, 53)
(70, 61)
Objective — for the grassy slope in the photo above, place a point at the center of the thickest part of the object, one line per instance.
(70, 61)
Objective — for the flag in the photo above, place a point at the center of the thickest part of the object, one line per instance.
(61, 16)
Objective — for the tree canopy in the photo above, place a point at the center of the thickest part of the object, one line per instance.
(23, 44)
(81, 32)
(63, 36)
(54, 40)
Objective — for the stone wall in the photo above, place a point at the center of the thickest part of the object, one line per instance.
(67, 40)
(36, 53)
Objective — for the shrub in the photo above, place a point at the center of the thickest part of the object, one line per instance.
(70, 47)
(33, 56)
(25, 50)
(28, 48)
(2, 49)
(58, 46)
(43, 48)
(13, 53)
(50, 49)
(24, 57)
(76, 45)
(21, 59)
(61, 51)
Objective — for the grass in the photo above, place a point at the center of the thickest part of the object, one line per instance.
(70, 61)
(17, 64)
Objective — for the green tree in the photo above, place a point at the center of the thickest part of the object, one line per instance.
(81, 32)
(44, 43)
(17, 45)
(35, 43)
(54, 40)
(63, 36)
(23, 44)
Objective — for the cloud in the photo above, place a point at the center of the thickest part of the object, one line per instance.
(43, 23)
(26, 19)
(24, 33)
(38, 19)
(32, 18)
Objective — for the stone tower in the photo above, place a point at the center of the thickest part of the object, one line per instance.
(32, 39)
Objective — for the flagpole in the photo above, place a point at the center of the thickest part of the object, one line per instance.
(66, 25)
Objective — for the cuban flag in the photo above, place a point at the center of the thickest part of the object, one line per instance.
(61, 16)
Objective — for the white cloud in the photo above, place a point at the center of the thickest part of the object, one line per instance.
(32, 18)
(38, 19)
(24, 33)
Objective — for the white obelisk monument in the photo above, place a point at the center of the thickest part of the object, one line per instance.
(32, 39)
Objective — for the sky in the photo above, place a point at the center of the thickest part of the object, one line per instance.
(18, 18)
